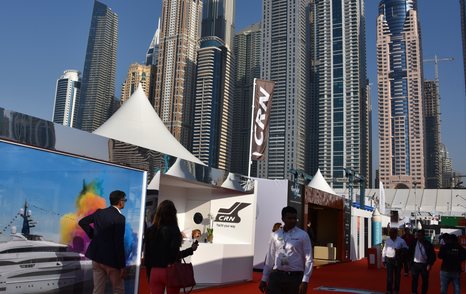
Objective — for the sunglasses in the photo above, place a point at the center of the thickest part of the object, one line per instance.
(124, 200)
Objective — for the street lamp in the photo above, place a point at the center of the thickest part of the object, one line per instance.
(415, 210)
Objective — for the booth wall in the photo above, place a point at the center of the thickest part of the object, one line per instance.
(358, 232)
(272, 196)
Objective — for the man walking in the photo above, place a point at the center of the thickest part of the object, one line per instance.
(409, 239)
(424, 258)
(392, 256)
(452, 255)
(106, 249)
(288, 264)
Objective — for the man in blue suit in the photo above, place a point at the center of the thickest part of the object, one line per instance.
(106, 249)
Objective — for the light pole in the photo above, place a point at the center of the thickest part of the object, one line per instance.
(415, 209)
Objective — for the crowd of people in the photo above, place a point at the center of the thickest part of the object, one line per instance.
(416, 254)
(288, 263)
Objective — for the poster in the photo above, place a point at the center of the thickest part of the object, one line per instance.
(43, 195)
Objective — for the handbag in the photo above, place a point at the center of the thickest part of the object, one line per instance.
(181, 275)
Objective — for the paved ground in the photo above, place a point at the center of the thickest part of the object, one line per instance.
(352, 277)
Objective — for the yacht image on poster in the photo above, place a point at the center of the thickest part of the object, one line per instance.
(29, 264)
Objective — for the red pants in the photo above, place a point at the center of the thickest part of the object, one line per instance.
(158, 282)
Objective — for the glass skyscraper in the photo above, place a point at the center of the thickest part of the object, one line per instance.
(247, 45)
(153, 50)
(213, 111)
(340, 101)
(98, 82)
(65, 110)
(285, 60)
(399, 78)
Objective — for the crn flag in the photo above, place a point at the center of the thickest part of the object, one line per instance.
(260, 127)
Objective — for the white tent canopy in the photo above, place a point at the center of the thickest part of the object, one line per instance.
(318, 182)
(137, 123)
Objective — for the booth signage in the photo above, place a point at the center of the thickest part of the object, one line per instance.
(230, 215)
(262, 107)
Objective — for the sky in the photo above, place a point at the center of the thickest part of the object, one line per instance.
(41, 39)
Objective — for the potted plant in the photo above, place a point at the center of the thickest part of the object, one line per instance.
(210, 234)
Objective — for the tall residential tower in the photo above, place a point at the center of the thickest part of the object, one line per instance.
(176, 66)
(247, 45)
(340, 97)
(285, 60)
(399, 78)
(213, 112)
(65, 110)
(98, 82)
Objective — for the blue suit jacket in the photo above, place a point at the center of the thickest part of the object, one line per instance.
(107, 236)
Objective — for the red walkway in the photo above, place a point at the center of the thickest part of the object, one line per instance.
(354, 275)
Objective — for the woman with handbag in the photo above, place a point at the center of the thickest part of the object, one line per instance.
(162, 248)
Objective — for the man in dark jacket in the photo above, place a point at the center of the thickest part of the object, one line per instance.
(452, 254)
(423, 258)
(106, 249)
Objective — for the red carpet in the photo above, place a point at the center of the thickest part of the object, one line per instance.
(354, 275)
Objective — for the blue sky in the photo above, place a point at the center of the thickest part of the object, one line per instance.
(41, 39)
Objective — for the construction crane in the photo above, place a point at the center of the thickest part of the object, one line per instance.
(436, 60)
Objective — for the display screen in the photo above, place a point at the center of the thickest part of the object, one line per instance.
(43, 195)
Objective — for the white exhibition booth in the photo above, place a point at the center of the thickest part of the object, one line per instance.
(230, 213)
(218, 197)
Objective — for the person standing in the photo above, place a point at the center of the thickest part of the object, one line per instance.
(288, 264)
(409, 239)
(162, 247)
(392, 257)
(423, 258)
(452, 255)
(106, 249)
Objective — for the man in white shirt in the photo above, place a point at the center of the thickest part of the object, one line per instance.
(288, 264)
(392, 255)
(424, 258)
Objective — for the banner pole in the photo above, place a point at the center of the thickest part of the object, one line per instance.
(252, 125)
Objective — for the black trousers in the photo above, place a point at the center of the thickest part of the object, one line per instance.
(393, 275)
(416, 270)
(284, 282)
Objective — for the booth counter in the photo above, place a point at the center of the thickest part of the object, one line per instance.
(222, 263)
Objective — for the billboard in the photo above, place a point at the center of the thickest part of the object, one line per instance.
(43, 195)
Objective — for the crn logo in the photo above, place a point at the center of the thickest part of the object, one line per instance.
(230, 215)
(260, 117)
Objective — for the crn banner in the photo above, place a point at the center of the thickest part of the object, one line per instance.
(262, 107)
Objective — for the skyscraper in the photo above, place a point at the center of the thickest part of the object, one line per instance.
(176, 66)
(432, 122)
(65, 110)
(446, 168)
(213, 112)
(341, 107)
(399, 78)
(137, 73)
(463, 33)
(98, 82)
(247, 51)
(153, 50)
(285, 60)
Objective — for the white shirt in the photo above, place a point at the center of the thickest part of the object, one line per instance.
(289, 251)
(389, 250)
(117, 209)
(420, 255)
